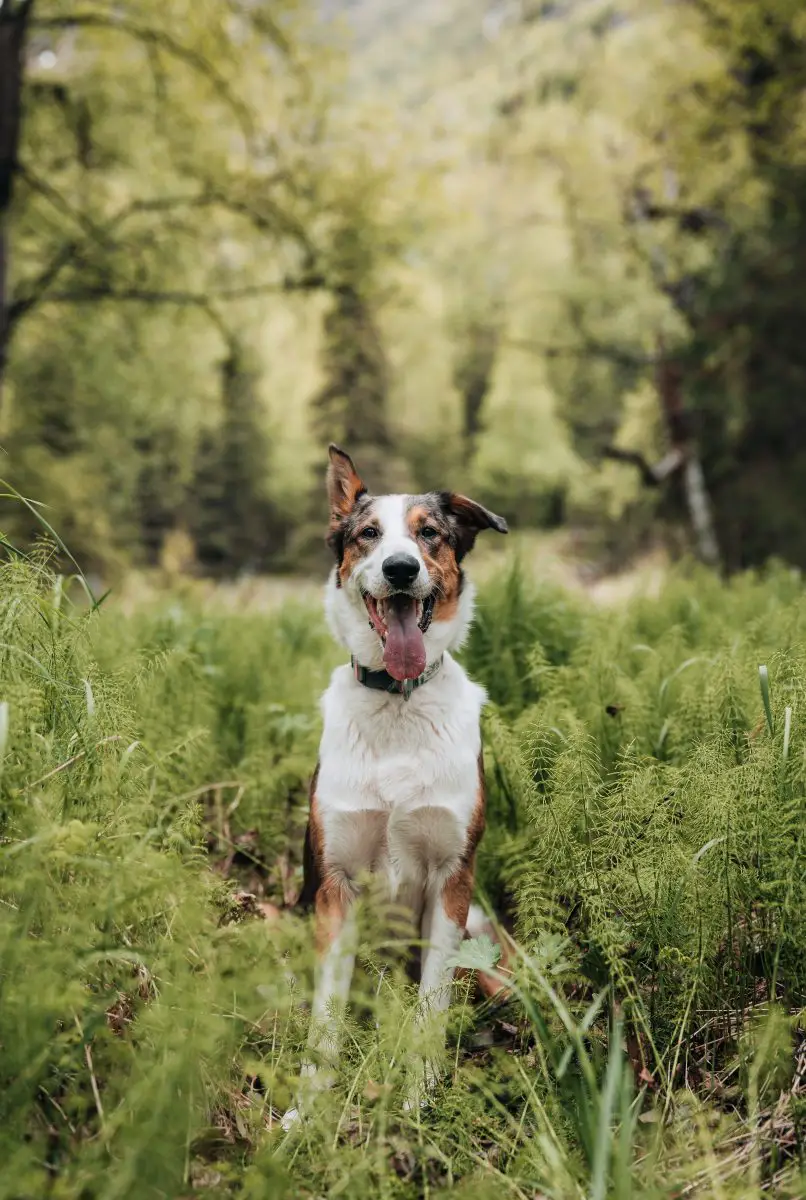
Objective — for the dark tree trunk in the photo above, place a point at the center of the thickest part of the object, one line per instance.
(682, 460)
(472, 375)
(14, 18)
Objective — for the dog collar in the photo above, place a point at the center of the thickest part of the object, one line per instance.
(382, 681)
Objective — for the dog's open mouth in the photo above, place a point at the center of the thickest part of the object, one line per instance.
(400, 622)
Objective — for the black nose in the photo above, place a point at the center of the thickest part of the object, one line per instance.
(400, 569)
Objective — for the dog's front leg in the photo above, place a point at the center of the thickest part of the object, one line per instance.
(443, 927)
(336, 945)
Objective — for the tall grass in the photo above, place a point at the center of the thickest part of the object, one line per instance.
(646, 830)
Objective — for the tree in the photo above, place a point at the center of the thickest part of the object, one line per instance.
(746, 359)
(352, 406)
(673, 137)
(14, 18)
(166, 189)
(230, 516)
(477, 345)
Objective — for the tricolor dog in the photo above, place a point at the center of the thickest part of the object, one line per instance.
(399, 788)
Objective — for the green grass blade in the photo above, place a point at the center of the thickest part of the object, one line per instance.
(600, 1171)
(13, 494)
(787, 731)
(764, 680)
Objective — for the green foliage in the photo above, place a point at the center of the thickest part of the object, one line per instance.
(459, 241)
(647, 821)
(180, 191)
(671, 141)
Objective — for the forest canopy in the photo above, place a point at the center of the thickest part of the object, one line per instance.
(546, 251)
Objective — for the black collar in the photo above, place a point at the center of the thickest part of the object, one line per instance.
(382, 681)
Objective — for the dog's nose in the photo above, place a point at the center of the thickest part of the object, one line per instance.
(400, 569)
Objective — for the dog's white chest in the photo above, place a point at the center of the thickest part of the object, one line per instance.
(398, 780)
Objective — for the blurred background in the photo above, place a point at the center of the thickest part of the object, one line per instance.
(548, 252)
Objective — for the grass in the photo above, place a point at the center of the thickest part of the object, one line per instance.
(645, 842)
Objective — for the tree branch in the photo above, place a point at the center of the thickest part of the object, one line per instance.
(695, 220)
(75, 112)
(260, 19)
(267, 222)
(101, 292)
(57, 200)
(652, 476)
(34, 291)
(157, 39)
(622, 358)
(37, 287)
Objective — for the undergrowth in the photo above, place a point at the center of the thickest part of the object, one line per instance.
(645, 842)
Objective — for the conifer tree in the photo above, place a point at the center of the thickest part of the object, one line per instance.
(232, 520)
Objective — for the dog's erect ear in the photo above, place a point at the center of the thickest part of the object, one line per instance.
(344, 485)
(469, 520)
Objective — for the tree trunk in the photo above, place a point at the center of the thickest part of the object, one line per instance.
(13, 27)
(670, 391)
(681, 460)
(699, 508)
(472, 375)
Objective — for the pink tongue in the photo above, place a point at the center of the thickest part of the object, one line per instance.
(405, 649)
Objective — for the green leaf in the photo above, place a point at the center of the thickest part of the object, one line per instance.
(478, 954)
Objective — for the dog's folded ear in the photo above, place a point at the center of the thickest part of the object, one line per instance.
(469, 519)
(344, 485)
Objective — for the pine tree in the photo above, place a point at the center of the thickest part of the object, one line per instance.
(477, 346)
(234, 524)
(352, 406)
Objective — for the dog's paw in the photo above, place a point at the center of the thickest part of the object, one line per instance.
(291, 1118)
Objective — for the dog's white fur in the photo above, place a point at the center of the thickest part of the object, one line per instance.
(398, 780)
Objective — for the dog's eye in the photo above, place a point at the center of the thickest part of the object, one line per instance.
(429, 532)
(369, 533)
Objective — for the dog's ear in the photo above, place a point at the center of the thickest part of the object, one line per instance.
(344, 486)
(469, 518)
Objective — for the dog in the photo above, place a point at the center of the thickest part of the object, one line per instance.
(398, 792)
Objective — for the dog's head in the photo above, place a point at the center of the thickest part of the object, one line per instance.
(397, 597)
